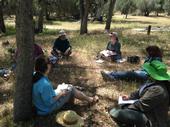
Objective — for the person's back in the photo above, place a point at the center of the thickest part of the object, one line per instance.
(43, 94)
(154, 103)
(37, 51)
(159, 114)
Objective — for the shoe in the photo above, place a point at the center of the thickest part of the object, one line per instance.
(105, 75)
(99, 61)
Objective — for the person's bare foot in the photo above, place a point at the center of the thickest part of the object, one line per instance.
(93, 100)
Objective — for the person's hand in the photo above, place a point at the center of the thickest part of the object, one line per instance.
(63, 92)
(58, 51)
(125, 97)
(66, 52)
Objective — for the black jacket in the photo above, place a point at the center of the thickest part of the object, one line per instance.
(153, 102)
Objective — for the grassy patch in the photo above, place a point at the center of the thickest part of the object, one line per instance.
(81, 68)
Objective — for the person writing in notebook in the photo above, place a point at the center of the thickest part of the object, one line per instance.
(112, 51)
(47, 100)
(152, 100)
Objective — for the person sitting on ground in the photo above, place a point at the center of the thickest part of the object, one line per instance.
(61, 45)
(47, 100)
(153, 52)
(112, 52)
(38, 52)
(151, 105)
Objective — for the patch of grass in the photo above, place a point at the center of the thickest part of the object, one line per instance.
(81, 68)
(10, 30)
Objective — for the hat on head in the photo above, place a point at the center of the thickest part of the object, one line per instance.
(69, 119)
(157, 70)
(113, 34)
(62, 32)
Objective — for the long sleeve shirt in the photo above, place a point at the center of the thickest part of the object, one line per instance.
(153, 101)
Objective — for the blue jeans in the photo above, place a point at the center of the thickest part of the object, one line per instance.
(116, 58)
(129, 118)
(130, 75)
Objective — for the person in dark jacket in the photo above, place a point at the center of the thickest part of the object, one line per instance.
(153, 53)
(113, 49)
(151, 105)
(61, 45)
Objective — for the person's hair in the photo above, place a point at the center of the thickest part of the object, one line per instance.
(41, 66)
(154, 51)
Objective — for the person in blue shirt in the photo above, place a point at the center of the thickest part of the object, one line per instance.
(61, 45)
(153, 52)
(45, 98)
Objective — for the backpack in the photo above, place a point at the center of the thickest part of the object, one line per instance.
(133, 59)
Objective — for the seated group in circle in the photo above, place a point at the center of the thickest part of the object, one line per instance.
(150, 108)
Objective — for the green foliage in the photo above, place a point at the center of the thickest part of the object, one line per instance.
(145, 6)
(158, 7)
(97, 9)
(9, 6)
(64, 7)
(167, 6)
(125, 6)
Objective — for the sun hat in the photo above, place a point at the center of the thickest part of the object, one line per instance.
(62, 32)
(69, 119)
(113, 34)
(157, 70)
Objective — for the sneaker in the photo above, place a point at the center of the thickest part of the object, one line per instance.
(106, 77)
(99, 61)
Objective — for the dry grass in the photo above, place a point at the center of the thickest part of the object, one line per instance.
(81, 68)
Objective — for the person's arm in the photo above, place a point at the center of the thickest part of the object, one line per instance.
(68, 46)
(134, 95)
(60, 94)
(47, 95)
(66, 52)
(108, 45)
(151, 98)
(117, 48)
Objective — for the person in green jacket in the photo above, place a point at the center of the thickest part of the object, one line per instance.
(151, 105)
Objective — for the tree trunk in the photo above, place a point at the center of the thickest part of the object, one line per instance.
(41, 16)
(146, 13)
(110, 14)
(84, 16)
(2, 24)
(24, 39)
(126, 16)
(47, 13)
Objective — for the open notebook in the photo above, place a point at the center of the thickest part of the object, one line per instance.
(121, 101)
(62, 87)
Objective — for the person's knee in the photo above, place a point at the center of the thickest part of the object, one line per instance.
(114, 113)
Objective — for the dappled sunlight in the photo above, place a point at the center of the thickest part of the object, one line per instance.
(81, 69)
